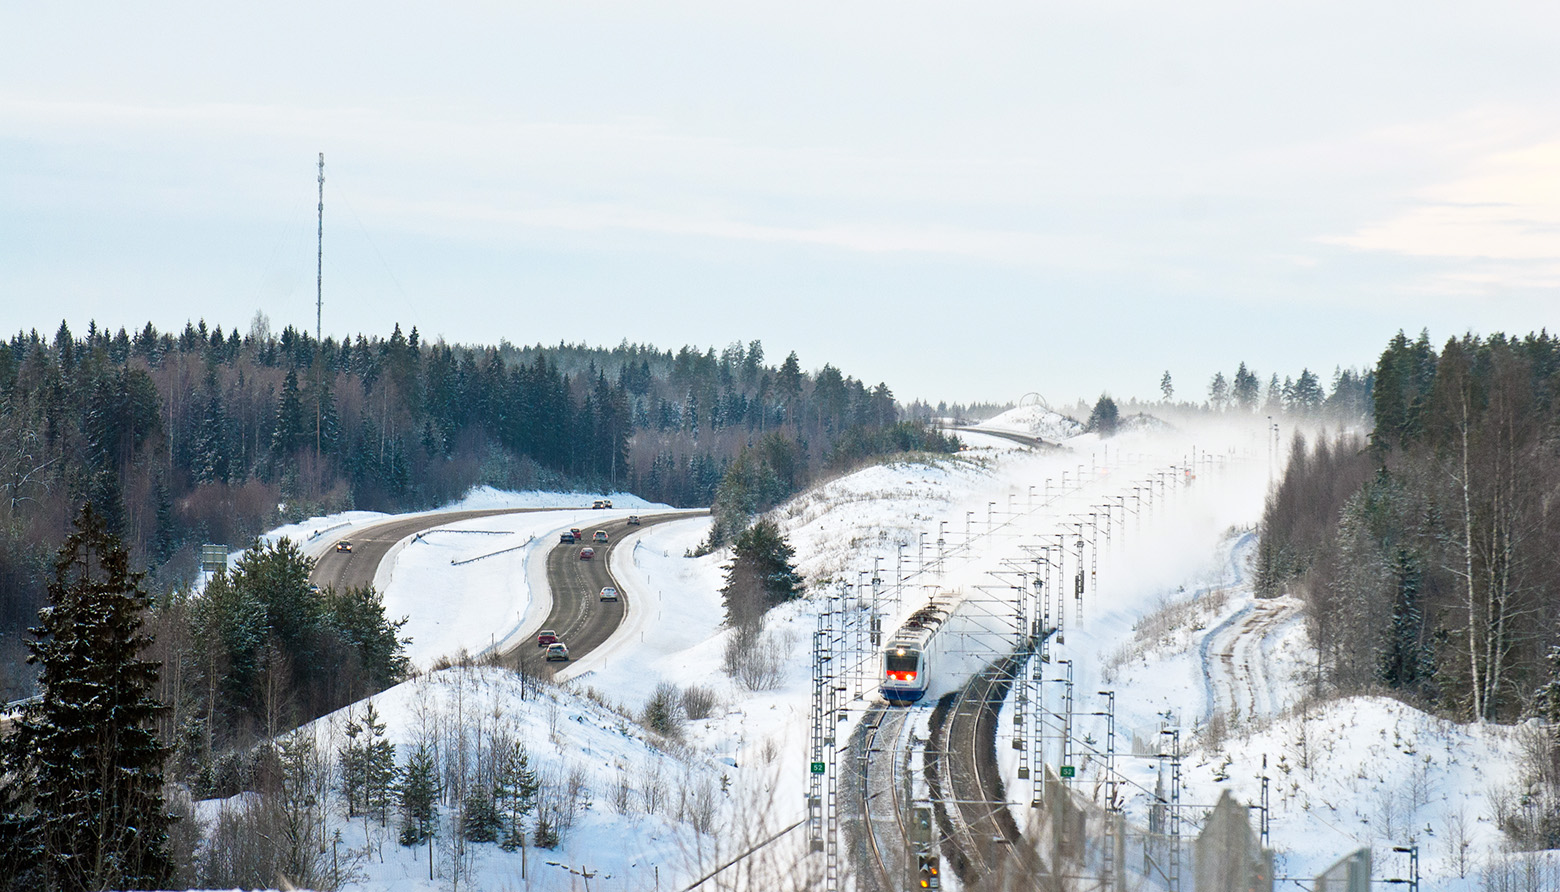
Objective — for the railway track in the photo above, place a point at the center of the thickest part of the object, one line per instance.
(883, 751)
(981, 842)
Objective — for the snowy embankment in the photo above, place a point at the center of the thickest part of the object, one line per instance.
(1036, 421)
(1169, 595)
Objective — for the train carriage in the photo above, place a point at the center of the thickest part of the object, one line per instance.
(908, 656)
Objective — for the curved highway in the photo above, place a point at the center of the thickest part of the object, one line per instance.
(579, 617)
(344, 570)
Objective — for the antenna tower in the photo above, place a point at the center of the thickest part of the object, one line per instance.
(319, 259)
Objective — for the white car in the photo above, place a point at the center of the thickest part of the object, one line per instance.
(608, 593)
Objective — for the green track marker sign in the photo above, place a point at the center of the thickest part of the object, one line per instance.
(1069, 771)
(817, 768)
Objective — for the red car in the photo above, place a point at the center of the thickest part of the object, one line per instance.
(587, 553)
(546, 637)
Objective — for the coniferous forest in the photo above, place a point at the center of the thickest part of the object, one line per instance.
(210, 436)
(1426, 551)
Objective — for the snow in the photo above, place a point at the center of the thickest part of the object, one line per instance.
(1172, 586)
(1036, 421)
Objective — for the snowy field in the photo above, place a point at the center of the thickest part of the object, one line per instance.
(1172, 587)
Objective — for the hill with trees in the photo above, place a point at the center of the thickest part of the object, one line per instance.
(213, 435)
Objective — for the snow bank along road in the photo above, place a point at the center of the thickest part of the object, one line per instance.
(346, 569)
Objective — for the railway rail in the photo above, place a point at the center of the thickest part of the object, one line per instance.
(884, 755)
(981, 841)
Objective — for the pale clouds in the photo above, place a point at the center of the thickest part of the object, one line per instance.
(1496, 222)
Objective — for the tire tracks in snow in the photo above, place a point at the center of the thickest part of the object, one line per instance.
(1236, 660)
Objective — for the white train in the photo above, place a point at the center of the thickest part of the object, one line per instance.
(919, 646)
(937, 649)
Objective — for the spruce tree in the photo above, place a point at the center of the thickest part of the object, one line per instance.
(418, 791)
(84, 762)
(761, 574)
(1105, 418)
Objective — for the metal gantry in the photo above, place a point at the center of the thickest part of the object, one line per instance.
(816, 766)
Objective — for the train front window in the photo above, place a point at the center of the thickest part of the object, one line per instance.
(901, 664)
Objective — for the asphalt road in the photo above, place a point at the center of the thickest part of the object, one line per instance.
(579, 617)
(582, 620)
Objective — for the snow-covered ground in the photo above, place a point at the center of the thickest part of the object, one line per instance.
(1172, 589)
(1037, 421)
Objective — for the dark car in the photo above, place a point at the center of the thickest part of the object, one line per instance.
(567, 538)
(344, 545)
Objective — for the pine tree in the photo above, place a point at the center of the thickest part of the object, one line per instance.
(546, 836)
(479, 821)
(1246, 389)
(210, 459)
(1105, 418)
(379, 771)
(515, 792)
(1218, 392)
(1166, 388)
(418, 790)
(353, 762)
(368, 770)
(761, 574)
(290, 429)
(84, 757)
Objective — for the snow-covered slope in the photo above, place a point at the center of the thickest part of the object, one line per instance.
(1036, 421)
(1172, 597)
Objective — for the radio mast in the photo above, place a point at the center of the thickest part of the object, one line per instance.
(319, 269)
(319, 302)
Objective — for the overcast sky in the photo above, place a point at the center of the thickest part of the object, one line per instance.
(969, 201)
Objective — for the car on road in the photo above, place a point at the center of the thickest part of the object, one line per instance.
(567, 537)
(633, 520)
(344, 545)
(587, 553)
(545, 637)
(577, 534)
(557, 651)
(599, 536)
(608, 593)
(601, 503)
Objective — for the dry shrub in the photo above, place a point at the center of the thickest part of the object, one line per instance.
(222, 512)
(699, 702)
(754, 658)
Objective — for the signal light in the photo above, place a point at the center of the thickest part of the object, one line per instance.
(926, 868)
